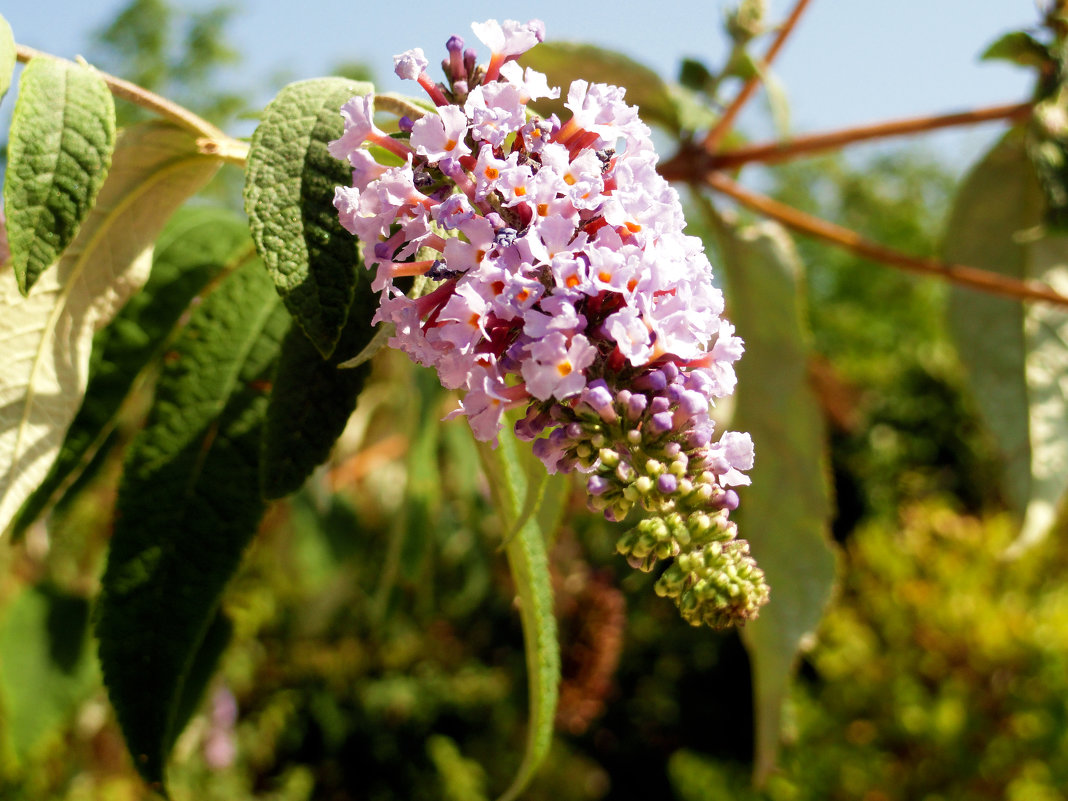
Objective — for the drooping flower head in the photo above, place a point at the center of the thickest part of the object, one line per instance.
(553, 274)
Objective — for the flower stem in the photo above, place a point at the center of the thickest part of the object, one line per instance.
(801, 222)
(210, 139)
(723, 125)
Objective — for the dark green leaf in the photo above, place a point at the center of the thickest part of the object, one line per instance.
(1020, 48)
(201, 670)
(62, 138)
(529, 564)
(188, 505)
(46, 669)
(196, 246)
(694, 75)
(786, 513)
(289, 193)
(563, 62)
(312, 398)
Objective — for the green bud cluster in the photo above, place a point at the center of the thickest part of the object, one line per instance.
(718, 585)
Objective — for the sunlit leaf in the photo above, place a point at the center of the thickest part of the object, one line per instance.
(61, 141)
(7, 56)
(1015, 355)
(196, 246)
(786, 513)
(46, 337)
(289, 193)
(188, 504)
(529, 564)
(1020, 48)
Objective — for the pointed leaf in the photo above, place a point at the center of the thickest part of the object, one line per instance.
(529, 564)
(289, 195)
(562, 62)
(313, 398)
(1020, 48)
(786, 513)
(188, 505)
(46, 337)
(46, 666)
(62, 137)
(7, 56)
(1015, 356)
(196, 246)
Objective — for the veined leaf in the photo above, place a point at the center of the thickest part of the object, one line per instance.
(7, 56)
(562, 62)
(1015, 355)
(193, 249)
(786, 513)
(529, 564)
(312, 398)
(46, 666)
(46, 337)
(289, 194)
(62, 137)
(188, 505)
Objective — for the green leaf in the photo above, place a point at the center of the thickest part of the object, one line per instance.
(786, 513)
(7, 56)
(1020, 48)
(188, 505)
(289, 194)
(529, 564)
(563, 62)
(62, 137)
(197, 245)
(47, 336)
(1014, 355)
(46, 666)
(312, 398)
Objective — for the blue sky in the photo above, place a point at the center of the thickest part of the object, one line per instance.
(849, 61)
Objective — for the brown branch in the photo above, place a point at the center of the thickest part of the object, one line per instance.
(801, 222)
(776, 152)
(210, 139)
(723, 125)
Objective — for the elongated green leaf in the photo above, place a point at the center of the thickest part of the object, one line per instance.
(62, 137)
(786, 513)
(196, 246)
(563, 62)
(1020, 48)
(289, 193)
(529, 565)
(46, 666)
(312, 398)
(7, 56)
(1015, 356)
(46, 337)
(188, 505)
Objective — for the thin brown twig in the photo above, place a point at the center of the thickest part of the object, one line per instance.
(807, 144)
(210, 139)
(972, 277)
(723, 125)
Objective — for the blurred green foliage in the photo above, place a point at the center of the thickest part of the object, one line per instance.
(377, 654)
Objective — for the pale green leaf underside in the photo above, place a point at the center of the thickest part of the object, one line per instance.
(786, 512)
(289, 191)
(1016, 356)
(61, 141)
(7, 56)
(529, 565)
(46, 336)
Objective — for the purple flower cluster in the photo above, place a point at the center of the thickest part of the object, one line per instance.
(551, 271)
